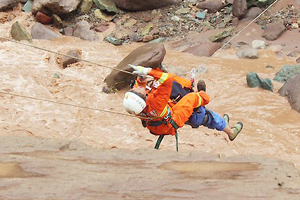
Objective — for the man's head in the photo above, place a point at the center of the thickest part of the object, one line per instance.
(134, 101)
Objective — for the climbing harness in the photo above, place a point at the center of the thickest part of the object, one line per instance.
(166, 120)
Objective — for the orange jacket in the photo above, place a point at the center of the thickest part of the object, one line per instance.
(157, 103)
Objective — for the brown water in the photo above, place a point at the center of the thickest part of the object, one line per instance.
(271, 127)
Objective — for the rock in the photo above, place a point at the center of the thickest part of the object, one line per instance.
(287, 72)
(58, 23)
(149, 55)
(258, 44)
(28, 6)
(85, 6)
(130, 22)
(298, 60)
(43, 18)
(101, 28)
(291, 90)
(8, 4)
(253, 80)
(239, 8)
(83, 31)
(253, 12)
(68, 31)
(40, 31)
(147, 38)
(107, 5)
(212, 6)
(200, 15)
(72, 57)
(221, 35)
(204, 49)
(182, 11)
(101, 15)
(59, 7)
(247, 53)
(113, 40)
(147, 29)
(18, 32)
(273, 31)
(138, 5)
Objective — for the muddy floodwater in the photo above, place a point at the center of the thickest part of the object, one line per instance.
(38, 102)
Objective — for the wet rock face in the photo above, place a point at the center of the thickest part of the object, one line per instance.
(138, 5)
(291, 90)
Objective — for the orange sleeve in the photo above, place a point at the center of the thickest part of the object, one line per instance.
(204, 98)
(161, 95)
(139, 83)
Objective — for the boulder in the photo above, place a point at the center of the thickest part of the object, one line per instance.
(149, 55)
(59, 7)
(287, 72)
(253, 80)
(239, 8)
(40, 31)
(8, 4)
(247, 53)
(138, 5)
(83, 31)
(205, 49)
(273, 31)
(291, 90)
(18, 32)
(253, 12)
(212, 6)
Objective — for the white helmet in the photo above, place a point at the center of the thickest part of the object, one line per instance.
(133, 103)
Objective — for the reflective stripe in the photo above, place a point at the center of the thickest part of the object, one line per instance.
(163, 78)
(200, 99)
(163, 112)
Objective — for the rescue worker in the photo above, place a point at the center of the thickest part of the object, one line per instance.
(161, 117)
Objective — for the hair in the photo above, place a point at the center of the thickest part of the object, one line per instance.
(138, 93)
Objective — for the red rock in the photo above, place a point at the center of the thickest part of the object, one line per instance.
(42, 18)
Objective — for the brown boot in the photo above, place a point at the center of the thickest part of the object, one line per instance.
(201, 85)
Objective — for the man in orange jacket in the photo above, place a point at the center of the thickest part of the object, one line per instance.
(153, 106)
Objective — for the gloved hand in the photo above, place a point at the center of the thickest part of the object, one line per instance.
(140, 70)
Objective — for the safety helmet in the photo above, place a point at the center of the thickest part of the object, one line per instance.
(133, 103)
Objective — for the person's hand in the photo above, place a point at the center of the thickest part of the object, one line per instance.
(140, 70)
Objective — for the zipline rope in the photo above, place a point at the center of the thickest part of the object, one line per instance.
(61, 54)
(232, 38)
(109, 111)
(62, 103)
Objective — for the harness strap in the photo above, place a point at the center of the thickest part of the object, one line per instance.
(161, 137)
(165, 120)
